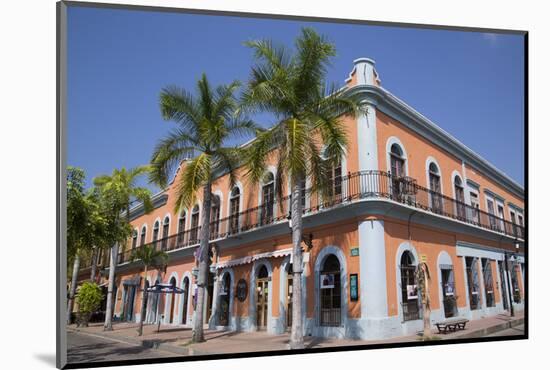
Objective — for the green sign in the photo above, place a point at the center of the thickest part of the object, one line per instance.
(354, 252)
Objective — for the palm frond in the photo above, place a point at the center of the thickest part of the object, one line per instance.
(179, 105)
(195, 174)
(313, 53)
(168, 154)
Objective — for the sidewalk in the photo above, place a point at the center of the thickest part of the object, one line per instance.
(176, 339)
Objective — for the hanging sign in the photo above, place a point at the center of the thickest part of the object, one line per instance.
(327, 281)
(242, 289)
(449, 290)
(412, 292)
(353, 289)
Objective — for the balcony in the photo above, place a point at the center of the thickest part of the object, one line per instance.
(347, 189)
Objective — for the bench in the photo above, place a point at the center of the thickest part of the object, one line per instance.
(451, 325)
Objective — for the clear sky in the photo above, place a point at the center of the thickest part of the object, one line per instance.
(470, 84)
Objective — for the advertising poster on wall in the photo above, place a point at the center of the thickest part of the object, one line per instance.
(327, 281)
(412, 291)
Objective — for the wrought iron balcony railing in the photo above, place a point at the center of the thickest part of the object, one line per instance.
(345, 189)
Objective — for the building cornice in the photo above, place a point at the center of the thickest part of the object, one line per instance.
(389, 104)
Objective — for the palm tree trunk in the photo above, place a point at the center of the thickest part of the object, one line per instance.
(296, 332)
(72, 292)
(108, 326)
(143, 302)
(204, 262)
(93, 271)
(426, 309)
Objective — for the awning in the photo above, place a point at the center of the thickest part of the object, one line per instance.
(249, 259)
(165, 288)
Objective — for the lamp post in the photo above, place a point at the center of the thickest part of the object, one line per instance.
(511, 258)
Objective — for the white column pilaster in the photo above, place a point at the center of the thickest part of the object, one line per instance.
(372, 259)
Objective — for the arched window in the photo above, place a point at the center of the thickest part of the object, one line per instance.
(435, 187)
(410, 296)
(181, 228)
(397, 161)
(194, 225)
(262, 297)
(397, 171)
(134, 239)
(225, 293)
(234, 205)
(335, 181)
(172, 300)
(330, 292)
(459, 196)
(165, 230)
(185, 297)
(156, 229)
(143, 235)
(268, 199)
(215, 217)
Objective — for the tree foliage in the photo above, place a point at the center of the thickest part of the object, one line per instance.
(310, 136)
(89, 297)
(207, 123)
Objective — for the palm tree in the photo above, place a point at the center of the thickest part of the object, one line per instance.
(149, 256)
(292, 87)
(119, 190)
(206, 124)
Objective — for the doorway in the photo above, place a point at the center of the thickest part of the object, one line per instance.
(262, 292)
(503, 285)
(289, 279)
(209, 297)
(225, 291)
(130, 293)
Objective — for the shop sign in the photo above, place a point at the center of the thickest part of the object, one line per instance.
(423, 258)
(354, 252)
(242, 290)
(327, 281)
(353, 289)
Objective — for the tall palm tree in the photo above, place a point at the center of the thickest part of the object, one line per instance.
(206, 124)
(119, 190)
(292, 87)
(148, 256)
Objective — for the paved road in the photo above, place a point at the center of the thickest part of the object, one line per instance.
(516, 330)
(88, 348)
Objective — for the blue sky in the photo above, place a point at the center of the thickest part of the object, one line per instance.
(470, 84)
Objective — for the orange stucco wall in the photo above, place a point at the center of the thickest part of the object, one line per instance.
(418, 150)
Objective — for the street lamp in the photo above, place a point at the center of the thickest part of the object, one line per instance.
(510, 258)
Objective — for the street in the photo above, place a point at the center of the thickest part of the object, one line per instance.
(88, 348)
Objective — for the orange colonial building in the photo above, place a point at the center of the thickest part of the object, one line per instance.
(406, 192)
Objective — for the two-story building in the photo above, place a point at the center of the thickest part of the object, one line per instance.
(405, 192)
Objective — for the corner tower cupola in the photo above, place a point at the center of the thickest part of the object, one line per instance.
(363, 73)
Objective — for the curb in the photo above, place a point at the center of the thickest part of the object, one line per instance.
(491, 329)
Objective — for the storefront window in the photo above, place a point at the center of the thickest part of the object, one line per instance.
(448, 287)
(473, 282)
(488, 281)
